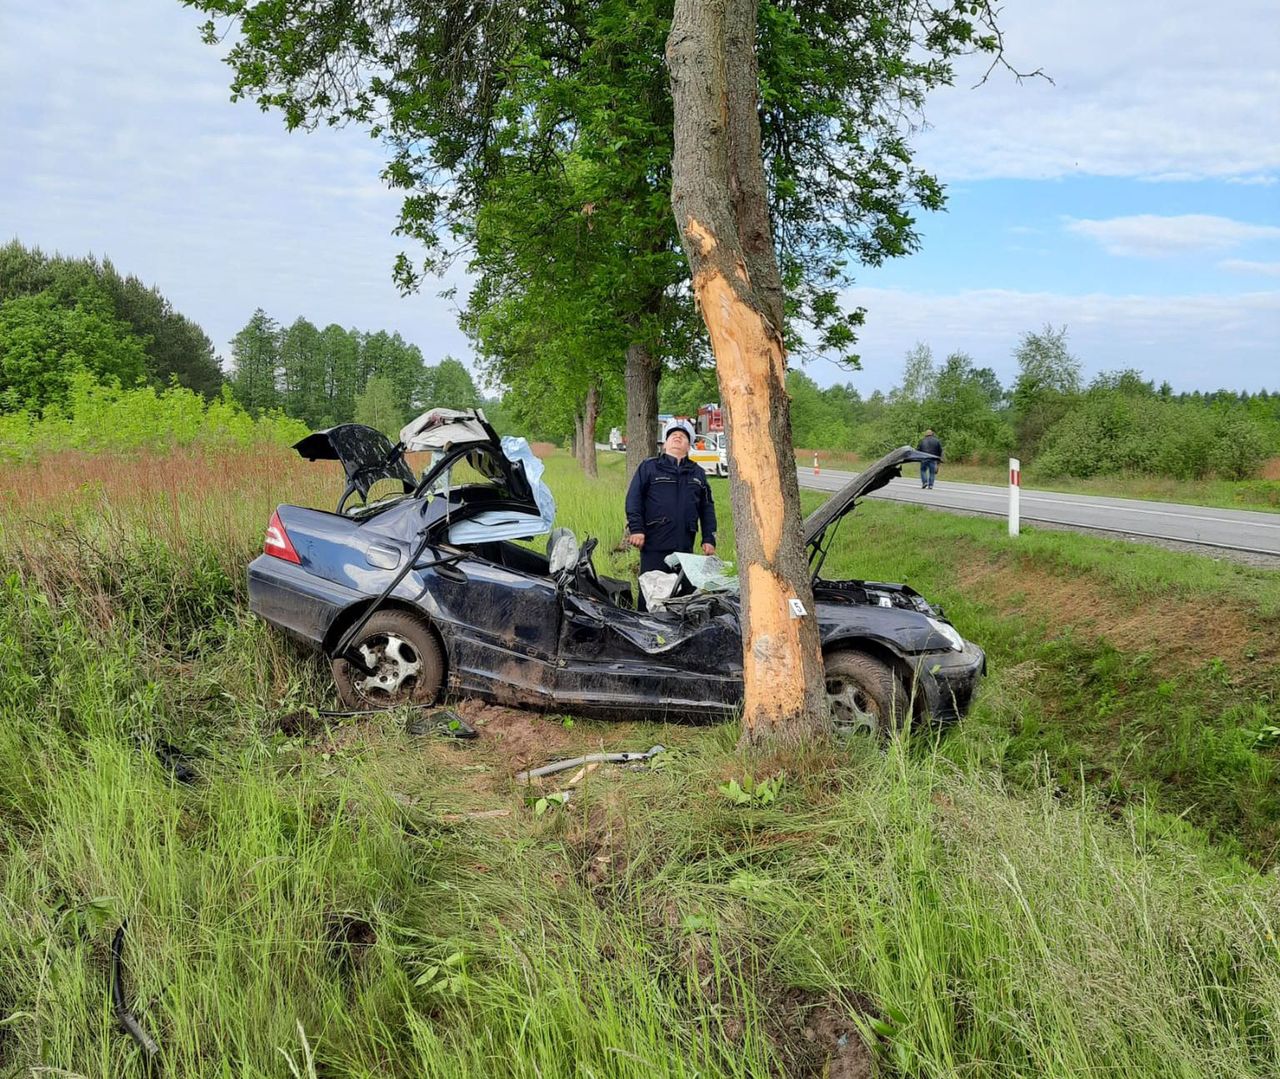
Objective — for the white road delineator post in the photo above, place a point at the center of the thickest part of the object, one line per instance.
(815, 462)
(1015, 491)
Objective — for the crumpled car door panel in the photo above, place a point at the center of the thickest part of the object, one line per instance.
(502, 627)
(611, 657)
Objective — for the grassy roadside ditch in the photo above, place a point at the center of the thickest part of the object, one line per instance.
(1070, 881)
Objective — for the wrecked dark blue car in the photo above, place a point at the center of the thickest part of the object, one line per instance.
(427, 591)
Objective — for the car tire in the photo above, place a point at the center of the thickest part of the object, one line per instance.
(407, 659)
(865, 695)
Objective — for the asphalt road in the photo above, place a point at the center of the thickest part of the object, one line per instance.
(1234, 530)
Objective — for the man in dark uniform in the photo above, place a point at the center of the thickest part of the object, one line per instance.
(668, 501)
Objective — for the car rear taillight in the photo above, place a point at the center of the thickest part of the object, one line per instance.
(277, 542)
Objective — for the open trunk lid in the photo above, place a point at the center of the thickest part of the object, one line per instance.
(366, 454)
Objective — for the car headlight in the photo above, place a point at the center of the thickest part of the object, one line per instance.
(949, 632)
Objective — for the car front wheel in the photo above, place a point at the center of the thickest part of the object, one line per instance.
(404, 657)
(866, 697)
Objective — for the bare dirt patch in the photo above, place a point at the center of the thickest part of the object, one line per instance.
(1180, 634)
(816, 1037)
(517, 739)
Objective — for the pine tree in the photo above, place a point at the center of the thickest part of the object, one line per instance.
(302, 370)
(340, 355)
(255, 357)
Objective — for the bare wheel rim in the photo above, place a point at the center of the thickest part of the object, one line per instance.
(396, 667)
(853, 709)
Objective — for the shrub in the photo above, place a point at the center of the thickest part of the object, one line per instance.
(105, 417)
(1111, 431)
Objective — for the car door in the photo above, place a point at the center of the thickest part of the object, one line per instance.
(615, 661)
(503, 629)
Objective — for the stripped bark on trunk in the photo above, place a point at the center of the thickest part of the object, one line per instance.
(718, 194)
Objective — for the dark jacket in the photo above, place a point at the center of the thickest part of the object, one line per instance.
(668, 500)
(930, 444)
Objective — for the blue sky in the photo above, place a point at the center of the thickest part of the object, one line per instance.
(1135, 200)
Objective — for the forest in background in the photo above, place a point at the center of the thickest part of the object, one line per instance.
(92, 359)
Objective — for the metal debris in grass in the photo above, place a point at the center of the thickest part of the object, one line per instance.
(177, 762)
(590, 758)
(442, 721)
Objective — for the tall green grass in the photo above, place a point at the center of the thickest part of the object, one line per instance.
(309, 907)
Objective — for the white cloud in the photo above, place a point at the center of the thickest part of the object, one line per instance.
(1144, 88)
(1195, 341)
(1269, 269)
(1153, 236)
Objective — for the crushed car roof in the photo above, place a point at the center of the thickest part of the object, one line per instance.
(523, 506)
(440, 429)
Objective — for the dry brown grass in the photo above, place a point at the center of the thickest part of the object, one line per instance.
(182, 498)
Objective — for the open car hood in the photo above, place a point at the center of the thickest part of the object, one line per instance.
(367, 455)
(870, 479)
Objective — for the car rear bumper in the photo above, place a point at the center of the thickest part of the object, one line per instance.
(949, 679)
(294, 600)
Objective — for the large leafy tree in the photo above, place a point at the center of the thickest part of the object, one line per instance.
(448, 86)
(557, 376)
(562, 122)
(46, 340)
(1048, 382)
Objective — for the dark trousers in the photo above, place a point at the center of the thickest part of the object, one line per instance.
(651, 558)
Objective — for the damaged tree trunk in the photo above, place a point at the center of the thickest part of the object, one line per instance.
(718, 194)
(642, 374)
(590, 416)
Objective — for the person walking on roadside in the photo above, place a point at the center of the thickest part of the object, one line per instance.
(929, 469)
(669, 501)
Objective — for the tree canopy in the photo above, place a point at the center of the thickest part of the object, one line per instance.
(569, 115)
(81, 313)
